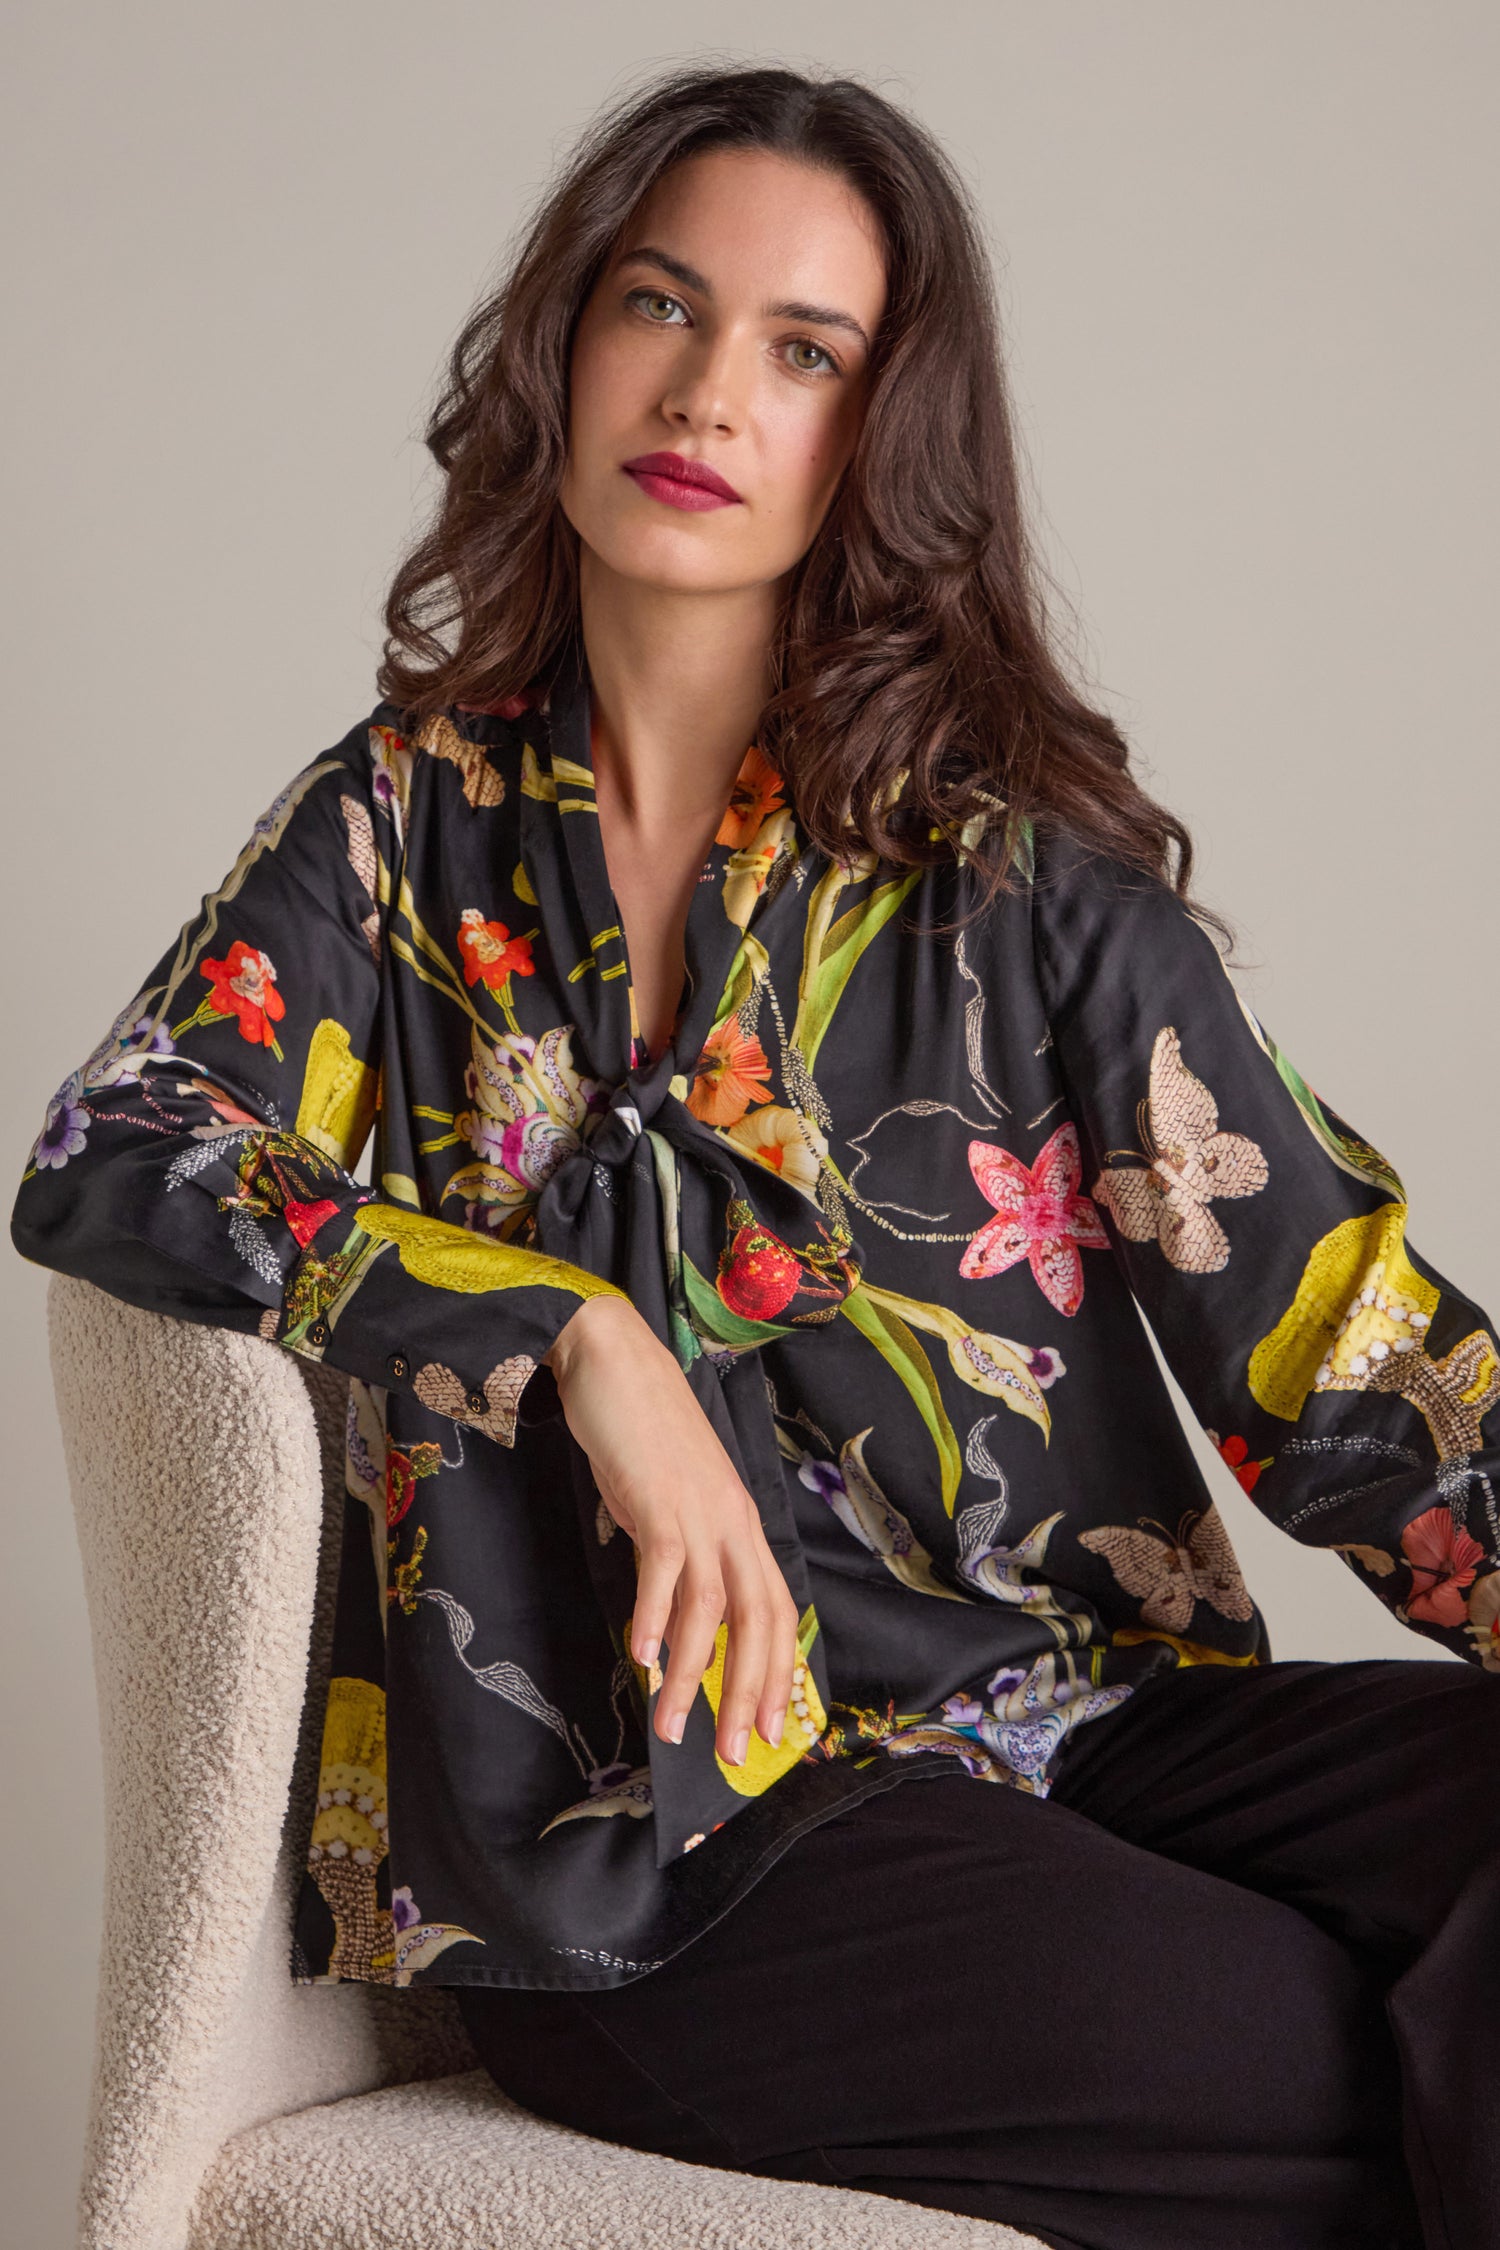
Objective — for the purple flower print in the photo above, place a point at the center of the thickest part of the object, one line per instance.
(404, 1910)
(120, 1056)
(485, 1218)
(66, 1129)
(520, 1123)
(144, 1037)
(602, 1779)
(822, 1477)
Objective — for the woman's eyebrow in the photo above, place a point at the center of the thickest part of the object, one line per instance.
(817, 316)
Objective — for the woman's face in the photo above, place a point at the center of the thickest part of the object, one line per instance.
(730, 332)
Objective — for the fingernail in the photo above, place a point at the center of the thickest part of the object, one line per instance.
(776, 1726)
(741, 1745)
(645, 1652)
(675, 1726)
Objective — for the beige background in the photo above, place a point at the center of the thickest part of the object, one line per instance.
(1247, 260)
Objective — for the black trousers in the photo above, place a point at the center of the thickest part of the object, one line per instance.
(1234, 1985)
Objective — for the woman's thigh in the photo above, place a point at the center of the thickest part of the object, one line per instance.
(972, 1997)
(1361, 1792)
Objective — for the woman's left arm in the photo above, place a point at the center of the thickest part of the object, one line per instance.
(1265, 1241)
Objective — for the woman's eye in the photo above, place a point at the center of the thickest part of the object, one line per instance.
(656, 305)
(809, 358)
(655, 302)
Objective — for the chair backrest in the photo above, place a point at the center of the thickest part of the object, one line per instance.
(206, 1474)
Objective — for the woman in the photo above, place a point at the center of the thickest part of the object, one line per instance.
(793, 1074)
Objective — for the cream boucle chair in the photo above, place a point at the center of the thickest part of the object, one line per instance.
(232, 2109)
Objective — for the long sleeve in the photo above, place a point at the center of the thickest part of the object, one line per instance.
(1353, 1387)
(199, 1162)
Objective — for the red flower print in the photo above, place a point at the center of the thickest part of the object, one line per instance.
(729, 1075)
(489, 951)
(243, 984)
(1443, 1561)
(1040, 1215)
(758, 1275)
(1233, 1450)
(304, 1219)
(402, 1473)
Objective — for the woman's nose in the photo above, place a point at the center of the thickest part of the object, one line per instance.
(709, 387)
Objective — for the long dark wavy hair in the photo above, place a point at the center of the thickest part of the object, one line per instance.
(916, 689)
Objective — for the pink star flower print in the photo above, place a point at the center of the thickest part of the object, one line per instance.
(1039, 1214)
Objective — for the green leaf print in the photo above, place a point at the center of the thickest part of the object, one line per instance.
(750, 964)
(713, 1318)
(898, 1346)
(833, 950)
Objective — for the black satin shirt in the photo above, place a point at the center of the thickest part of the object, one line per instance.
(897, 1201)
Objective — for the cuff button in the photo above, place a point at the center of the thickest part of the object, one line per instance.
(319, 1333)
(478, 1403)
(399, 1365)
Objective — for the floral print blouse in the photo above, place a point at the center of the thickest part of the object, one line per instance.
(898, 1201)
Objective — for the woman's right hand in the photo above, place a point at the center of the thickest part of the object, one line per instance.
(668, 1483)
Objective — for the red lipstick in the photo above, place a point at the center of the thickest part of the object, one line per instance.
(681, 483)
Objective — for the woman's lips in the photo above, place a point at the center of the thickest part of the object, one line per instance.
(681, 483)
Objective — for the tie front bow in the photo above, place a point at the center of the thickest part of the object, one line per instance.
(720, 1251)
(718, 1258)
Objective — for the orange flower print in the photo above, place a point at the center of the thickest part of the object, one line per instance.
(757, 793)
(1040, 1215)
(731, 1072)
(1443, 1562)
(490, 952)
(242, 985)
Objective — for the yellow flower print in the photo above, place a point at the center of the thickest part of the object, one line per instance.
(806, 1718)
(336, 1107)
(349, 1830)
(791, 1145)
(1359, 1322)
(448, 1257)
(748, 868)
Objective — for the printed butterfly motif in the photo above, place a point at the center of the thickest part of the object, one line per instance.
(1172, 1575)
(482, 784)
(491, 1408)
(1187, 1162)
(365, 861)
(1039, 1214)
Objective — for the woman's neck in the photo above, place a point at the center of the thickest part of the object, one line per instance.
(678, 682)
